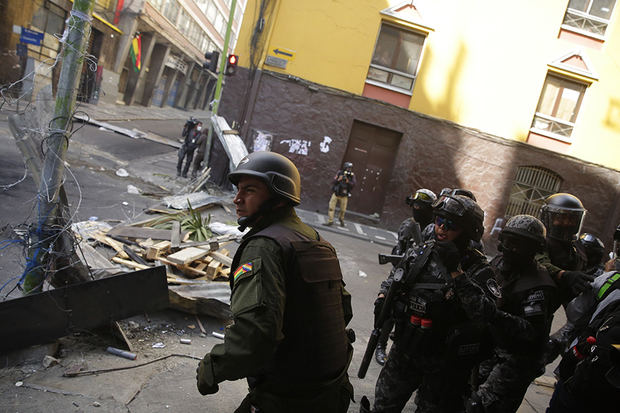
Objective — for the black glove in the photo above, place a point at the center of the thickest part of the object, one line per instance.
(576, 281)
(379, 306)
(203, 387)
(449, 254)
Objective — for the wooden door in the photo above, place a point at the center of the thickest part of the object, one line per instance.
(372, 150)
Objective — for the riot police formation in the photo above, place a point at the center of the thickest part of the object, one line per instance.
(441, 296)
(527, 291)
(421, 203)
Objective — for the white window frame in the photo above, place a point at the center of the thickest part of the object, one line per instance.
(557, 123)
(580, 20)
(391, 71)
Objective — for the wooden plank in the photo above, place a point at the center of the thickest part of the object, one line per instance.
(130, 264)
(175, 234)
(221, 258)
(142, 232)
(117, 246)
(156, 249)
(46, 316)
(213, 268)
(186, 269)
(187, 255)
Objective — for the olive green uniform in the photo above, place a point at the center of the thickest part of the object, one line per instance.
(253, 342)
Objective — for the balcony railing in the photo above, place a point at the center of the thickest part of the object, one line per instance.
(585, 22)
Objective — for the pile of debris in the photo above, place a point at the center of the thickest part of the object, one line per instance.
(195, 256)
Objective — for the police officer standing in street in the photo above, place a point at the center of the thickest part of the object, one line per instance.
(193, 139)
(421, 203)
(288, 302)
(343, 183)
(527, 291)
(446, 298)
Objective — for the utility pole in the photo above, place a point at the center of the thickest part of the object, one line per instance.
(220, 78)
(47, 232)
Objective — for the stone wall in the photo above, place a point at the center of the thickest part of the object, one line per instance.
(433, 153)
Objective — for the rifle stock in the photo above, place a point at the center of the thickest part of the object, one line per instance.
(386, 311)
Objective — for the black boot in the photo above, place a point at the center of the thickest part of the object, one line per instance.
(365, 405)
(380, 355)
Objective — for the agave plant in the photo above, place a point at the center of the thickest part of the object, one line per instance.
(191, 221)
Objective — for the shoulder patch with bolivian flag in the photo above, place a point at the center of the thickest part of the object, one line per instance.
(243, 269)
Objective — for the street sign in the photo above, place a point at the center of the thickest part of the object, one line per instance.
(276, 62)
(22, 49)
(284, 53)
(31, 37)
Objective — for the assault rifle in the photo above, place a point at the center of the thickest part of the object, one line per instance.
(414, 235)
(398, 279)
(386, 311)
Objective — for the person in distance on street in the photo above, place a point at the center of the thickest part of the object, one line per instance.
(343, 183)
(288, 302)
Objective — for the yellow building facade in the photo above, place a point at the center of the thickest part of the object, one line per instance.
(482, 65)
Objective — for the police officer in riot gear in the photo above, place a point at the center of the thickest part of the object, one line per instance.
(589, 373)
(595, 252)
(445, 300)
(563, 214)
(288, 302)
(528, 292)
(421, 203)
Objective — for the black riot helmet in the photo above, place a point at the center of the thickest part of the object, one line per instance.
(458, 191)
(277, 171)
(563, 215)
(524, 232)
(595, 249)
(464, 211)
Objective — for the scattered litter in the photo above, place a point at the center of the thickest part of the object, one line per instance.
(19, 384)
(121, 353)
(191, 326)
(93, 218)
(363, 274)
(225, 229)
(96, 404)
(76, 404)
(185, 341)
(121, 172)
(133, 324)
(125, 203)
(159, 345)
(105, 129)
(218, 335)
(86, 228)
(49, 361)
(197, 199)
(133, 190)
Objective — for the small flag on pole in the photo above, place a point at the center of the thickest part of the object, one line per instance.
(136, 51)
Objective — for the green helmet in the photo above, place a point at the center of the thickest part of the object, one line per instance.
(277, 171)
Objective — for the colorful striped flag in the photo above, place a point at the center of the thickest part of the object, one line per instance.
(136, 52)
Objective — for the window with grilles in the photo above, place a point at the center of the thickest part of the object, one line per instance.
(531, 186)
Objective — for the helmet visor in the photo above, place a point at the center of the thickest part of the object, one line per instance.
(447, 205)
(564, 225)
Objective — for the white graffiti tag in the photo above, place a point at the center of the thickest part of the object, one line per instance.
(324, 146)
(298, 146)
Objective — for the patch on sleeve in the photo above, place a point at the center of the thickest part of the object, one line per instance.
(243, 269)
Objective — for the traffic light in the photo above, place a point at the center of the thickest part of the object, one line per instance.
(212, 59)
(231, 64)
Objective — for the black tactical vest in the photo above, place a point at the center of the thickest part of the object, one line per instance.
(315, 344)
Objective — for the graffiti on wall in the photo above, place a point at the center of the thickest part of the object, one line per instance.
(324, 146)
(262, 141)
(297, 146)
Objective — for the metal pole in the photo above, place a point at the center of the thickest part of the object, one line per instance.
(220, 78)
(44, 233)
